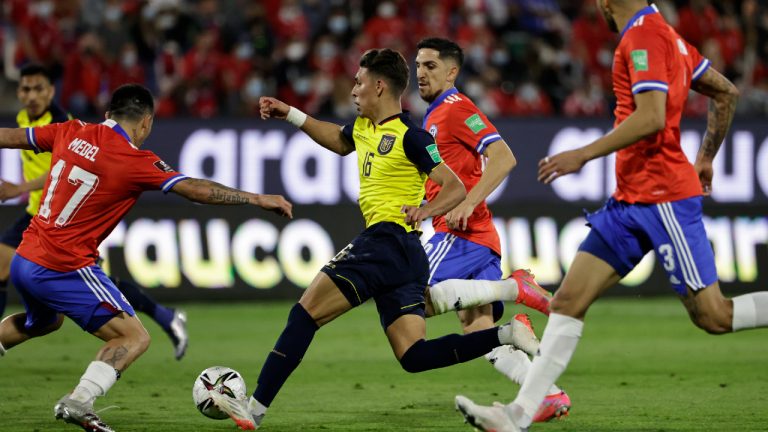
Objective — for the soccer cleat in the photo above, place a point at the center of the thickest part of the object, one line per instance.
(488, 419)
(80, 414)
(238, 411)
(530, 293)
(554, 406)
(519, 333)
(178, 333)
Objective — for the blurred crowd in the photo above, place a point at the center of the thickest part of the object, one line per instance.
(207, 58)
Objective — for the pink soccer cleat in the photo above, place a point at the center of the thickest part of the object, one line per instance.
(554, 406)
(530, 293)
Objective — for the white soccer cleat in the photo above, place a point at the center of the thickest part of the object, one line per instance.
(485, 418)
(237, 410)
(79, 414)
(519, 333)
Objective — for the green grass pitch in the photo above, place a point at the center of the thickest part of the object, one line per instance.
(641, 366)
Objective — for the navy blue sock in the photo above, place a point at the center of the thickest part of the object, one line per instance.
(3, 296)
(449, 350)
(287, 354)
(141, 302)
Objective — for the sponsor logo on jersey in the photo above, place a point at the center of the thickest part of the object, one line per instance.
(162, 166)
(386, 144)
(434, 153)
(475, 123)
(433, 131)
(640, 60)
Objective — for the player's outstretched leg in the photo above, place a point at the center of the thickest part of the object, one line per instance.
(458, 294)
(126, 340)
(172, 321)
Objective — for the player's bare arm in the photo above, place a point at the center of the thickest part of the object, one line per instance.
(722, 106)
(452, 192)
(500, 162)
(9, 190)
(14, 138)
(209, 192)
(647, 119)
(326, 134)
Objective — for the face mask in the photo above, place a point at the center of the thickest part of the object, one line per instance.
(254, 88)
(244, 51)
(477, 20)
(326, 50)
(301, 86)
(387, 10)
(528, 93)
(499, 57)
(166, 21)
(474, 90)
(113, 14)
(338, 24)
(43, 9)
(295, 50)
(129, 59)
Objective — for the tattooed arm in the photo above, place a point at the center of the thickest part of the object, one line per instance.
(209, 192)
(722, 105)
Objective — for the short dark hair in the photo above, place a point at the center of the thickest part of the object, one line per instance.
(444, 47)
(388, 64)
(131, 102)
(31, 69)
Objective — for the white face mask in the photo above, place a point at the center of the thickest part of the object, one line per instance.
(387, 10)
(528, 92)
(474, 89)
(43, 9)
(113, 14)
(129, 59)
(244, 51)
(295, 50)
(338, 24)
(254, 88)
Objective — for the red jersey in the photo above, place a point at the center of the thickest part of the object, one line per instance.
(462, 133)
(652, 56)
(96, 176)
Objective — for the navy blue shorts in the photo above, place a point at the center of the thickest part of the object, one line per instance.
(85, 295)
(12, 236)
(623, 233)
(452, 257)
(385, 263)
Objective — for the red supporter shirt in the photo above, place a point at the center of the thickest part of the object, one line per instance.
(653, 57)
(462, 133)
(96, 176)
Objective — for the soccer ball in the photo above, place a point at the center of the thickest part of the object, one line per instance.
(218, 379)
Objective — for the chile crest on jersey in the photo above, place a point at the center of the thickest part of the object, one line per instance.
(433, 131)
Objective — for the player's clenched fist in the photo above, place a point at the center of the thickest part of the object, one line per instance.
(270, 107)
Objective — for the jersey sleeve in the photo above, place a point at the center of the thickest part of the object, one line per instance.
(346, 131)
(152, 173)
(420, 148)
(41, 138)
(648, 57)
(699, 63)
(471, 127)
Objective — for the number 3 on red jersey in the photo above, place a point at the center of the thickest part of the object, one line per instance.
(77, 176)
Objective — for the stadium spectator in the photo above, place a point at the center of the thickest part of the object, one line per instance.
(554, 44)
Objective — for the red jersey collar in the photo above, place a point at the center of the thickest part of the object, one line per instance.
(438, 100)
(644, 11)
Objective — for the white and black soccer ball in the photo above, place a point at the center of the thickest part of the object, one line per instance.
(218, 379)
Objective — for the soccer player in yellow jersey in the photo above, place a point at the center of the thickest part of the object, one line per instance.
(36, 92)
(386, 261)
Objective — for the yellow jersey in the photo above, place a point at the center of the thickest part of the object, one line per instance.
(394, 158)
(33, 165)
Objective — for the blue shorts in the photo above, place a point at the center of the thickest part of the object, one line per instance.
(86, 295)
(623, 233)
(384, 263)
(452, 257)
(12, 236)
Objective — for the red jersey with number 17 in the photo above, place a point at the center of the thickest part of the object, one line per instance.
(96, 176)
(653, 57)
(462, 133)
